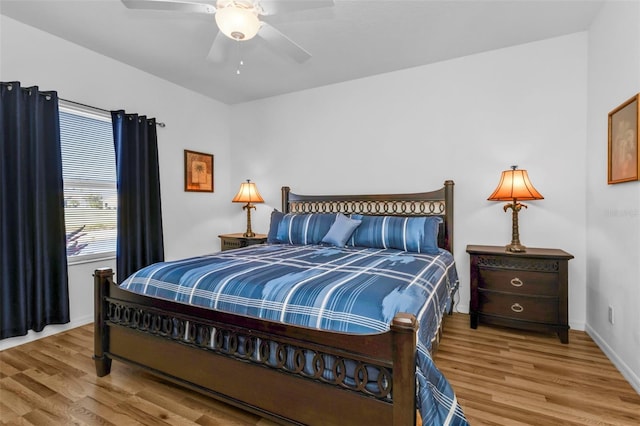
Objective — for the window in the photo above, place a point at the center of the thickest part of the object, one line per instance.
(89, 174)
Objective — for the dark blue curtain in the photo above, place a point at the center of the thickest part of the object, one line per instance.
(140, 241)
(34, 289)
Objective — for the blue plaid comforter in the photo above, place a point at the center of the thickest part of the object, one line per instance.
(350, 289)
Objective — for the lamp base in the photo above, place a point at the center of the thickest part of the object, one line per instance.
(249, 232)
(515, 248)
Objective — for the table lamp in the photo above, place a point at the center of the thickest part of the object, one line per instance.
(514, 186)
(248, 193)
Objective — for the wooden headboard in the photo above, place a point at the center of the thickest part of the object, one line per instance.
(433, 203)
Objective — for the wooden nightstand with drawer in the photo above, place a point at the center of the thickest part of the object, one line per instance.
(526, 290)
(234, 241)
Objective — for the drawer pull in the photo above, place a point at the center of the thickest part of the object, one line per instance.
(516, 282)
(516, 307)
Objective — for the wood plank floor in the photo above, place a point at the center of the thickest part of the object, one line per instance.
(501, 377)
(511, 377)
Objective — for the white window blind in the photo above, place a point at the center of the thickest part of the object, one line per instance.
(89, 174)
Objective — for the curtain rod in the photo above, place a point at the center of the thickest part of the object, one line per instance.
(158, 123)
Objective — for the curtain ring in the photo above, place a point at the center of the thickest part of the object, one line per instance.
(10, 87)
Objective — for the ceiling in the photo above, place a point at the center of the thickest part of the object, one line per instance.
(352, 39)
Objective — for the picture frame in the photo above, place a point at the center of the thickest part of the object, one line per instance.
(623, 152)
(198, 171)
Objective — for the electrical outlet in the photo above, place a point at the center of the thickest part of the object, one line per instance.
(611, 315)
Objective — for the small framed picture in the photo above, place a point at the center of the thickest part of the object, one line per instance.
(198, 171)
(624, 122)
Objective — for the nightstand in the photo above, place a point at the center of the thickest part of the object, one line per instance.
(234, 241)
(523, 290)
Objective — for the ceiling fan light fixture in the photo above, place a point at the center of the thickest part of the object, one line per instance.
(238, 22)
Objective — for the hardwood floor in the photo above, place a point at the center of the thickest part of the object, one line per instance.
(511, 377)
(501, 377)
(52, 381)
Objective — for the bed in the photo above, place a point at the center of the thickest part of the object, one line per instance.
(261, 348)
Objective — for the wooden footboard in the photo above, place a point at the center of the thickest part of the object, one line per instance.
(261, 366)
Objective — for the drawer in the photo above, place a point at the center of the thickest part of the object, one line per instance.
(526, 308)
(238, 240)
(229, 244)
(519, 281)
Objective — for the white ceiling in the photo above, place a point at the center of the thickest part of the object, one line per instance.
(352, 39)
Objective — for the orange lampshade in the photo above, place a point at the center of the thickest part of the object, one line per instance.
(515, 185)
(248, 193)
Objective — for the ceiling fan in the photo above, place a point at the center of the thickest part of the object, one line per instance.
(239, 20)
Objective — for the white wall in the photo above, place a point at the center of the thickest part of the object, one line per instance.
(466, 119)
(191, 220)
(613, 211)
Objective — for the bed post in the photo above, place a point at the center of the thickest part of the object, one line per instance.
(102, 278)
(285, 199)
(403, 329)
(448, 199)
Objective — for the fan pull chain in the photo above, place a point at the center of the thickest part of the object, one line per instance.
(241, 62)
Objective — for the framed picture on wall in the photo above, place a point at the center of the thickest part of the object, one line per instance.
(624, 127)
(198, 171)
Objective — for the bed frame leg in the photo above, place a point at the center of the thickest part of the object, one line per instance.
(102, 279)
(103, 366)
(404, 327)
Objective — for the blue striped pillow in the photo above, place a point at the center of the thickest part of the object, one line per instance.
(416, 234)
(276, 217)
(307, 228)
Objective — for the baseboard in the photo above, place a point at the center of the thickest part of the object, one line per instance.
(577, 325)
(624, 369)
(49, 330)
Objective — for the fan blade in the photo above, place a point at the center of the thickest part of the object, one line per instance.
(283, 43)
(218, 51)
(180, 6)
(271, 7)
